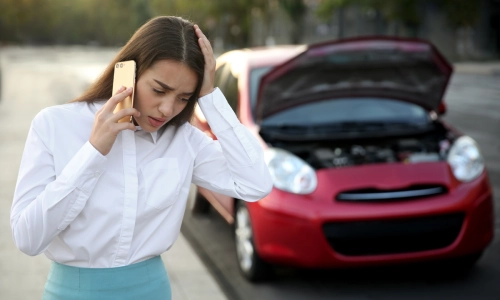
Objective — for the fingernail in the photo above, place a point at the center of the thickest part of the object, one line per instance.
(121, 88)
(129, 89)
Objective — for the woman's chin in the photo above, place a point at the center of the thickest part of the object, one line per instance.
(149, 128)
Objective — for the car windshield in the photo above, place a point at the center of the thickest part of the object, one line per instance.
(255, 76)
(349, 111)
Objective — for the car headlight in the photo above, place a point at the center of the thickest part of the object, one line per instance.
(289, 172)
(465, 159)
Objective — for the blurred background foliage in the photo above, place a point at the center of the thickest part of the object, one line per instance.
(408, 12)
(111, 23)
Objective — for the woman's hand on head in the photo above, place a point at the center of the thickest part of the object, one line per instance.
(208, 78)
(106, 126)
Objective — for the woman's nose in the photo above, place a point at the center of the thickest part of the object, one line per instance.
(167, 107)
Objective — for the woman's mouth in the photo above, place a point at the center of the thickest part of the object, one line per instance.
(156, 122)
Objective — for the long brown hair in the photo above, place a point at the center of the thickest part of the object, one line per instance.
(171, 38)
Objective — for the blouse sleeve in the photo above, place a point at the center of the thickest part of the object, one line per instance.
(44, 204)
(234, 164)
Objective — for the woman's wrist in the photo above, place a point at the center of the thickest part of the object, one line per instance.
(204, 93)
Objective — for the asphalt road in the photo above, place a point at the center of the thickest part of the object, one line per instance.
(474, 108)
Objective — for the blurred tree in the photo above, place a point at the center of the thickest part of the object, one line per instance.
(327, 8)
(462, 15)
(113, 22)
(9, 11)
(226, 18)
(24, 23)
(78, 21)
(194, 10)
(116, 21)
(296, 10)
(235, 19)
(405, 12)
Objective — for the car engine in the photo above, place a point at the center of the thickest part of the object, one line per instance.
(405, 150)
(428, 147)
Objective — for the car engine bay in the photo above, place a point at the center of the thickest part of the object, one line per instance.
(416, 148)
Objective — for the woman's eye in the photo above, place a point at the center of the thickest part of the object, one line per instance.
(158, 91)
(185, 99)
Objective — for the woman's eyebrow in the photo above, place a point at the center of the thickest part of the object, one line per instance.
(165, 86)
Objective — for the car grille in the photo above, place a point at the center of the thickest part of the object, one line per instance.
(393, 236)
(373, 195)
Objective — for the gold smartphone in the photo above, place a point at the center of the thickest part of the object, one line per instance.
(124, 75)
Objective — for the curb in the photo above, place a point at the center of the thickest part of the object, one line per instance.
(486, 68)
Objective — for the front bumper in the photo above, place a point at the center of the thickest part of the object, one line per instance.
(294, 230)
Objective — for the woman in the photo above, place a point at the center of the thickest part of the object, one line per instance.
(104, 199)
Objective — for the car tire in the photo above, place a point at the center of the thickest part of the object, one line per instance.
(458, 265)
(466, 263)
(249, 261)
(200, 204)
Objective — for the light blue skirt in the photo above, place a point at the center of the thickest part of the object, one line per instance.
(144, 280)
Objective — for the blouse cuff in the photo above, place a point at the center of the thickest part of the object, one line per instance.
(220, 116)
(85, 168)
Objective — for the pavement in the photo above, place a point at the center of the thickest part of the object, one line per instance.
(189, 277)
(32, 79)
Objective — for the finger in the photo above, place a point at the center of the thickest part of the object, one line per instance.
(208, 47)
(198, 31)
(203, 47)
(201, 35)
(205, 40)
(121, 89)
(124, 126)
(117, 98)
(207, 52)
(208, 44)
(127, 112)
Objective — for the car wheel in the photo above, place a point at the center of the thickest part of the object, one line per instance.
(200, 204)
(249, 261)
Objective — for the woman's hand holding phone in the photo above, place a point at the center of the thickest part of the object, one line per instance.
(106, 126)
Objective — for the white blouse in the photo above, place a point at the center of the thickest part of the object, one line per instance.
(83, 209)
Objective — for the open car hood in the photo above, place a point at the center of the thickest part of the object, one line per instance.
(404, 69)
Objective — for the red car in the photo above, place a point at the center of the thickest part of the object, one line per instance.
(365, 172)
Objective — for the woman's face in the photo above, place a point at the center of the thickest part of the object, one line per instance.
(162, 92)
